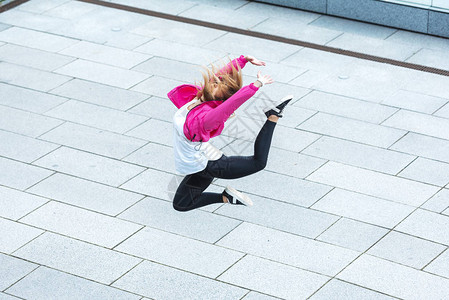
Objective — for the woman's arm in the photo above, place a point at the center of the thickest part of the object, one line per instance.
(220, 114)
(240, 62)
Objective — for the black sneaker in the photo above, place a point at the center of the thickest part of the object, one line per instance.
(236, 197)
(277, 111)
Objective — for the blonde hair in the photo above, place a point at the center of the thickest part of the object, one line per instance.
(228, 79)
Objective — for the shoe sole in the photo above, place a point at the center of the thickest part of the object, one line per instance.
(239, 196)
(278, 103)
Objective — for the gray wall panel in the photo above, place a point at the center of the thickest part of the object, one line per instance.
(389, 14)
(312, 5)
(439, 23)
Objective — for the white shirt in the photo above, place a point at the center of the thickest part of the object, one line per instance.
(190, 157)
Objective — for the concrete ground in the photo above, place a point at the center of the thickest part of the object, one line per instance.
(353, 204)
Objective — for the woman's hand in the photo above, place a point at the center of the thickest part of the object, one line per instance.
(262, 79)
(254, 60)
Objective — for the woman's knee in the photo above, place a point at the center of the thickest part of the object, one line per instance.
(260, 164)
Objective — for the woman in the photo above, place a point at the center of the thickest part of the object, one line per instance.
(202, 113)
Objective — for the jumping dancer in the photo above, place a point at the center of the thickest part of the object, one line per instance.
(202, 112)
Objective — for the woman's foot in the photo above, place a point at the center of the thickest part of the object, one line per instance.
(279, 108)
(231, 195)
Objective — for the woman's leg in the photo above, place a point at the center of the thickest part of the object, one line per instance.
(239, 166)
(189, 194)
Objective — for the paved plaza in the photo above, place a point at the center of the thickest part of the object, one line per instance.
(353, 204)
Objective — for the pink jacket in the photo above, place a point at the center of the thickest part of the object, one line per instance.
(207, 119)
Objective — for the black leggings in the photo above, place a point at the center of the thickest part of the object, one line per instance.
(189, 194)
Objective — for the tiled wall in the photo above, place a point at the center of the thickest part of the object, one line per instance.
(426, 16)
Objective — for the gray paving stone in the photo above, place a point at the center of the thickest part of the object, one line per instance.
(175, 7)
(257, 296)
(30, 21)
(195, 224)
(70, 10)
(27, 99)
(337, 289)
(30, 78)
(426, 170)
(260, 48)
(439, 202)
(363, 208)
(288, 249)
(356, 28)
(352, 234)
(373, 183)
(29, 57)
(127, 40)
(425, 146)
(443, 112)
(374, 46)
(380, 275)
(89, 166)
(177, 32)
(25, 123)
(319, 61)
(12, 269)
(295, 191)
(181, 52)
(291, 283)
(432, 58)
(152, 183)
(81, 224)
(423, 40)
(39, 7)
(78, 258)
(157, 86)
(102, 73)
(86, 194)
(283, 27)
(415, 101)
(93, 140)
(14, 235)
(427, 225)
(97, 25)
(420, 123)
(354, 130)
(45, 283)
(104, 54)
(406, 250)
(23, 148)
(157, 281)
(191, 255)
(20, 176)
(430, 84)
(309, 78)
(440, 265)
(274, 11)
(16, 204)
(170, 69)
(346, 107)
(96, 93)
(154, 130)
(293, 164)
(359, 155)
(4, 296)
(35, 39)
(373, 89)
(154, 156)
(4, 26)
(227, 16)
(96, 116)
(281, 216)
(292, 139)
